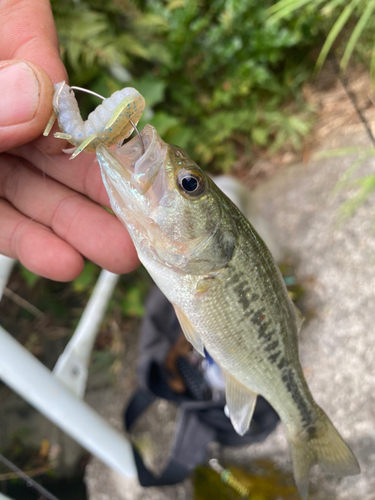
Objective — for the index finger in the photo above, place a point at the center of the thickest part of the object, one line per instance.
(27, 31)
(81, 174)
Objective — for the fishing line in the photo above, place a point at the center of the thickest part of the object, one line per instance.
(29, 481)
(344, 82)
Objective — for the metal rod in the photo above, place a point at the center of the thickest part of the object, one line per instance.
(6, 266)
(29, 481)
(73, 365)
(21, 371)
(3, 497)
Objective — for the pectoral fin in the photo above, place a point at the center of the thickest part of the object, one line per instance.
(190, 332)
(241, 403)
(206, 284)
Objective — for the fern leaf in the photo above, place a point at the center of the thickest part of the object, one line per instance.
(332, 5)
(283, 4)
(286, 7)
(372, 64)
(336, 28)
(358, 30)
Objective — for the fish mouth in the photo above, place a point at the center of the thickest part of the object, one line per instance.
(137, 167)
(138, 185)
(134, 175)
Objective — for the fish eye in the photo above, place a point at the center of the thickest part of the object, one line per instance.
(190, 182)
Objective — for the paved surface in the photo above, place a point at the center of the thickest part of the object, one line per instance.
(337, 267)
(336, 264)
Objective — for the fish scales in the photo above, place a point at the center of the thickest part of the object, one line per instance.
(254, 336)
(228, 294)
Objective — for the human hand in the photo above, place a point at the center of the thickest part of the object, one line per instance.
(49, 207)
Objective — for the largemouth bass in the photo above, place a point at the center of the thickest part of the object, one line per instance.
(227, 292)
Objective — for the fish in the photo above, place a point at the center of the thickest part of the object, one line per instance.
(226, 289)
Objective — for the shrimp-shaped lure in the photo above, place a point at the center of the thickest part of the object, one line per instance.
(111, 122)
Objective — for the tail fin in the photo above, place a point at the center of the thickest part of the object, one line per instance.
(322, 445)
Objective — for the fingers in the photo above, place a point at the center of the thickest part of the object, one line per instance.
(28, 33)
(75, 220)
(25, 102)
(44, 223)
(41, 251)
(82, 174)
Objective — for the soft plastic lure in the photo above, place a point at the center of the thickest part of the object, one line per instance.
(111, 122)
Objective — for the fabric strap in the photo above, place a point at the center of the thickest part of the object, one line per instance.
(190, 442)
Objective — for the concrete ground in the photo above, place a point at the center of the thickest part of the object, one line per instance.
(336, 265)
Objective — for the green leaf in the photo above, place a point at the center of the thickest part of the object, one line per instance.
(284, 8)
(132, 304)
(367, 186)
(259, 136)
(30, 278)
(345, 177)
(151, 88)
(337, 27)
(358, 30)
(74, 52)
(329, 8)
(87, 279)
(372, 63)
(163, 122)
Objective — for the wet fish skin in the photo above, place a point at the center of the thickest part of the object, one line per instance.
(228, 295)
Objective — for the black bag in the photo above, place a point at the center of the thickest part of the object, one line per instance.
(200, 420)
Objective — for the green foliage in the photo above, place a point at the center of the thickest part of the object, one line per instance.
(30, 278)
(365, 186)
(229, 76)
(216, 75)
(95, 35)
(132, 303)
(131, 292)
(337, 15)
(87, 279)
(361, 188)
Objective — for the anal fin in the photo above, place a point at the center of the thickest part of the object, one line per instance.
(300, 318)
(190, 332)
(241, 403)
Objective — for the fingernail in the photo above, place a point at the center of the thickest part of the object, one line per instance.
(19, 94)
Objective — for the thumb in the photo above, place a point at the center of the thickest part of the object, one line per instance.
(25, 102)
